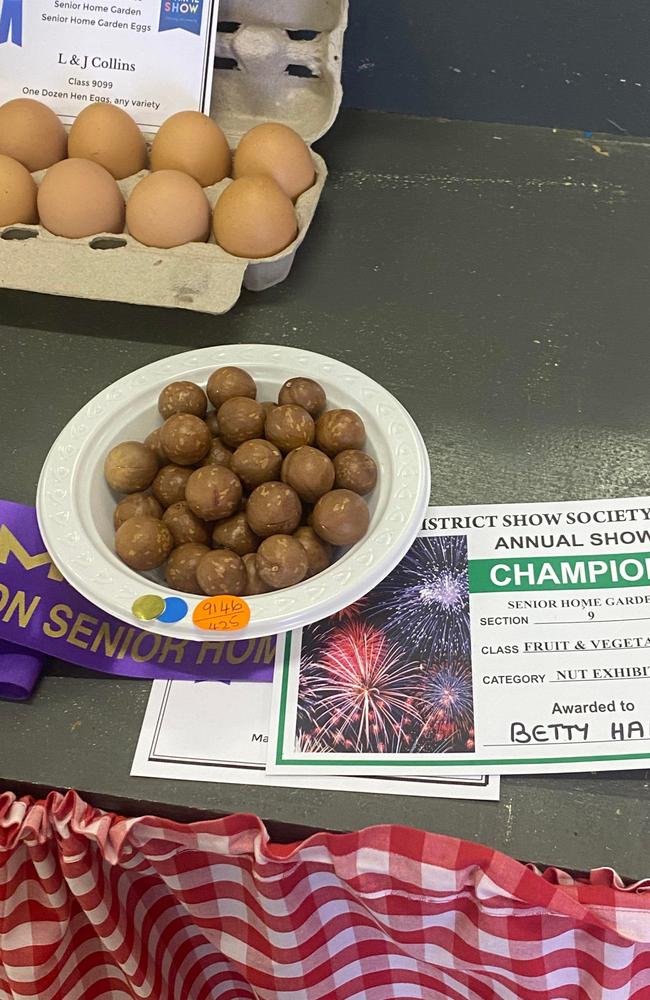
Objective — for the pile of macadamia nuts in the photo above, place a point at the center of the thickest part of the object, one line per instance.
(244, 498)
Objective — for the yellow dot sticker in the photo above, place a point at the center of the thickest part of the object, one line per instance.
(148, 607)
(222, 614)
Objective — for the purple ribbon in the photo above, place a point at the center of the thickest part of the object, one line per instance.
(19, 671)
(42, 615)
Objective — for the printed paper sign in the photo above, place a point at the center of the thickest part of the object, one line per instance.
(210, 732)
(510, 639)
(150, 57)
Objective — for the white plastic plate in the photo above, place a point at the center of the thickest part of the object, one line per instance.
(75, 506)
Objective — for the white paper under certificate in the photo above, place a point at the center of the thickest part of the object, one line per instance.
(150, 57)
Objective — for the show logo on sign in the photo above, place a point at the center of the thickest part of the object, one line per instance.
(11, 21)
(184, 14)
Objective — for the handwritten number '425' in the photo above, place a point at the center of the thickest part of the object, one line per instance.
(223, 625)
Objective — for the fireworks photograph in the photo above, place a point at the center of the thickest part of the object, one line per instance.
(392, 673)
(425, 600)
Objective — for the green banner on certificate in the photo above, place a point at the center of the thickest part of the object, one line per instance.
(560, 573)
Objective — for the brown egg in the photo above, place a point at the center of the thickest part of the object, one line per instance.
(31, 133)
(109, 136)
(79, 198)
(17, 193)
(254, 218)
(168, 209)
(194, 144)
(276, 151)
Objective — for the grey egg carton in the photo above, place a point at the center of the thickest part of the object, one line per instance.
(277, 61)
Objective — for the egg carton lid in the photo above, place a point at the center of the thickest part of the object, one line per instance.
(279, 60)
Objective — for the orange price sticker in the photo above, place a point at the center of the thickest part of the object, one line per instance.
(222, 614)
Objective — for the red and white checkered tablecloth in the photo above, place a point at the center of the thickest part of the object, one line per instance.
(94, 906)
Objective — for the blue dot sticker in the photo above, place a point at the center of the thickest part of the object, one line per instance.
(175, 609)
